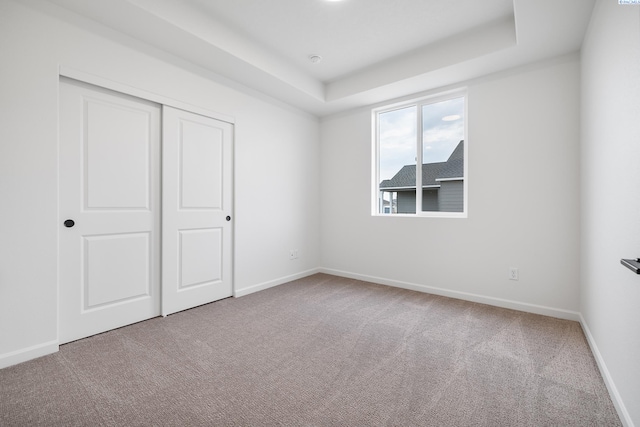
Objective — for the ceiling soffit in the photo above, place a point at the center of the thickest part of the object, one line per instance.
(222, 43)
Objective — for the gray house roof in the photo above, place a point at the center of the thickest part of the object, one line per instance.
(431, 172)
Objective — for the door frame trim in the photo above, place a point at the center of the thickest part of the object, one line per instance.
(105, 83)
(139, 93)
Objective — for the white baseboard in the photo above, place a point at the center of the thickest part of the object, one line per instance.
(498, 302)
(271, 283)
(25, 354)
(625, 418)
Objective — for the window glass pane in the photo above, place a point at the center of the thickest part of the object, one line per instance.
(443, 156)
(433, 134)
(397, 135)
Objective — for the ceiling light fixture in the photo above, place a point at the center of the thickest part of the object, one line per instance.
(451, 118)
(315, 58)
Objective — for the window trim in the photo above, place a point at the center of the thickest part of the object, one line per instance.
(375, 151)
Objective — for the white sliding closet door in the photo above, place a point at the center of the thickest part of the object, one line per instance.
(196, 210)
(112, 179)
(109, 210)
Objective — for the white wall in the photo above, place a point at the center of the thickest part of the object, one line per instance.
(524, 181)
(276, 167)
(523, 200)
(610, 197)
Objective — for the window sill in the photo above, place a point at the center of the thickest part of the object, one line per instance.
(461, 215)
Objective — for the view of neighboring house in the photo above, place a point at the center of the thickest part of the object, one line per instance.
(442, 186)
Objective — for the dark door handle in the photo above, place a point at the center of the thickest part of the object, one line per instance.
(228, 218)
(69, 223)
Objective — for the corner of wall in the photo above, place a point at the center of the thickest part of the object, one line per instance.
(606, 376)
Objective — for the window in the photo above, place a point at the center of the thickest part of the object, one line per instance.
(423, 171)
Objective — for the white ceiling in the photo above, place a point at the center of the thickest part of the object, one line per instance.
(351, 34)
(372, 50)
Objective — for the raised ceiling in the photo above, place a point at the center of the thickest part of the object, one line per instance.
(351, 35)
(372, 50)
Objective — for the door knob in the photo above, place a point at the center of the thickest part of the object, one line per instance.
(69, 223)
(228, 218)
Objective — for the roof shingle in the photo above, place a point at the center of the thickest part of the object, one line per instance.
(431, 172)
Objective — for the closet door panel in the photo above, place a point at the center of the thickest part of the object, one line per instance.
(197, 210)
(109, 210)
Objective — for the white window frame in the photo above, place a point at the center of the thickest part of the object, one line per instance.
(375, 152)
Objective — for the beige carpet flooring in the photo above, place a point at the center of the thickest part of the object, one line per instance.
(320, 351)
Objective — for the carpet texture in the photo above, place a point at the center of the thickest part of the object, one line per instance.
(320, 351)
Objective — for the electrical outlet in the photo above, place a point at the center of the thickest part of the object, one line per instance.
(293, 254)
(513, 273)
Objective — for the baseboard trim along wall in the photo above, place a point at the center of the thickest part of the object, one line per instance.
(271, 283)
(28, 353)
(625, 418)
(39, 350)
(498, 302)
(514, 305)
